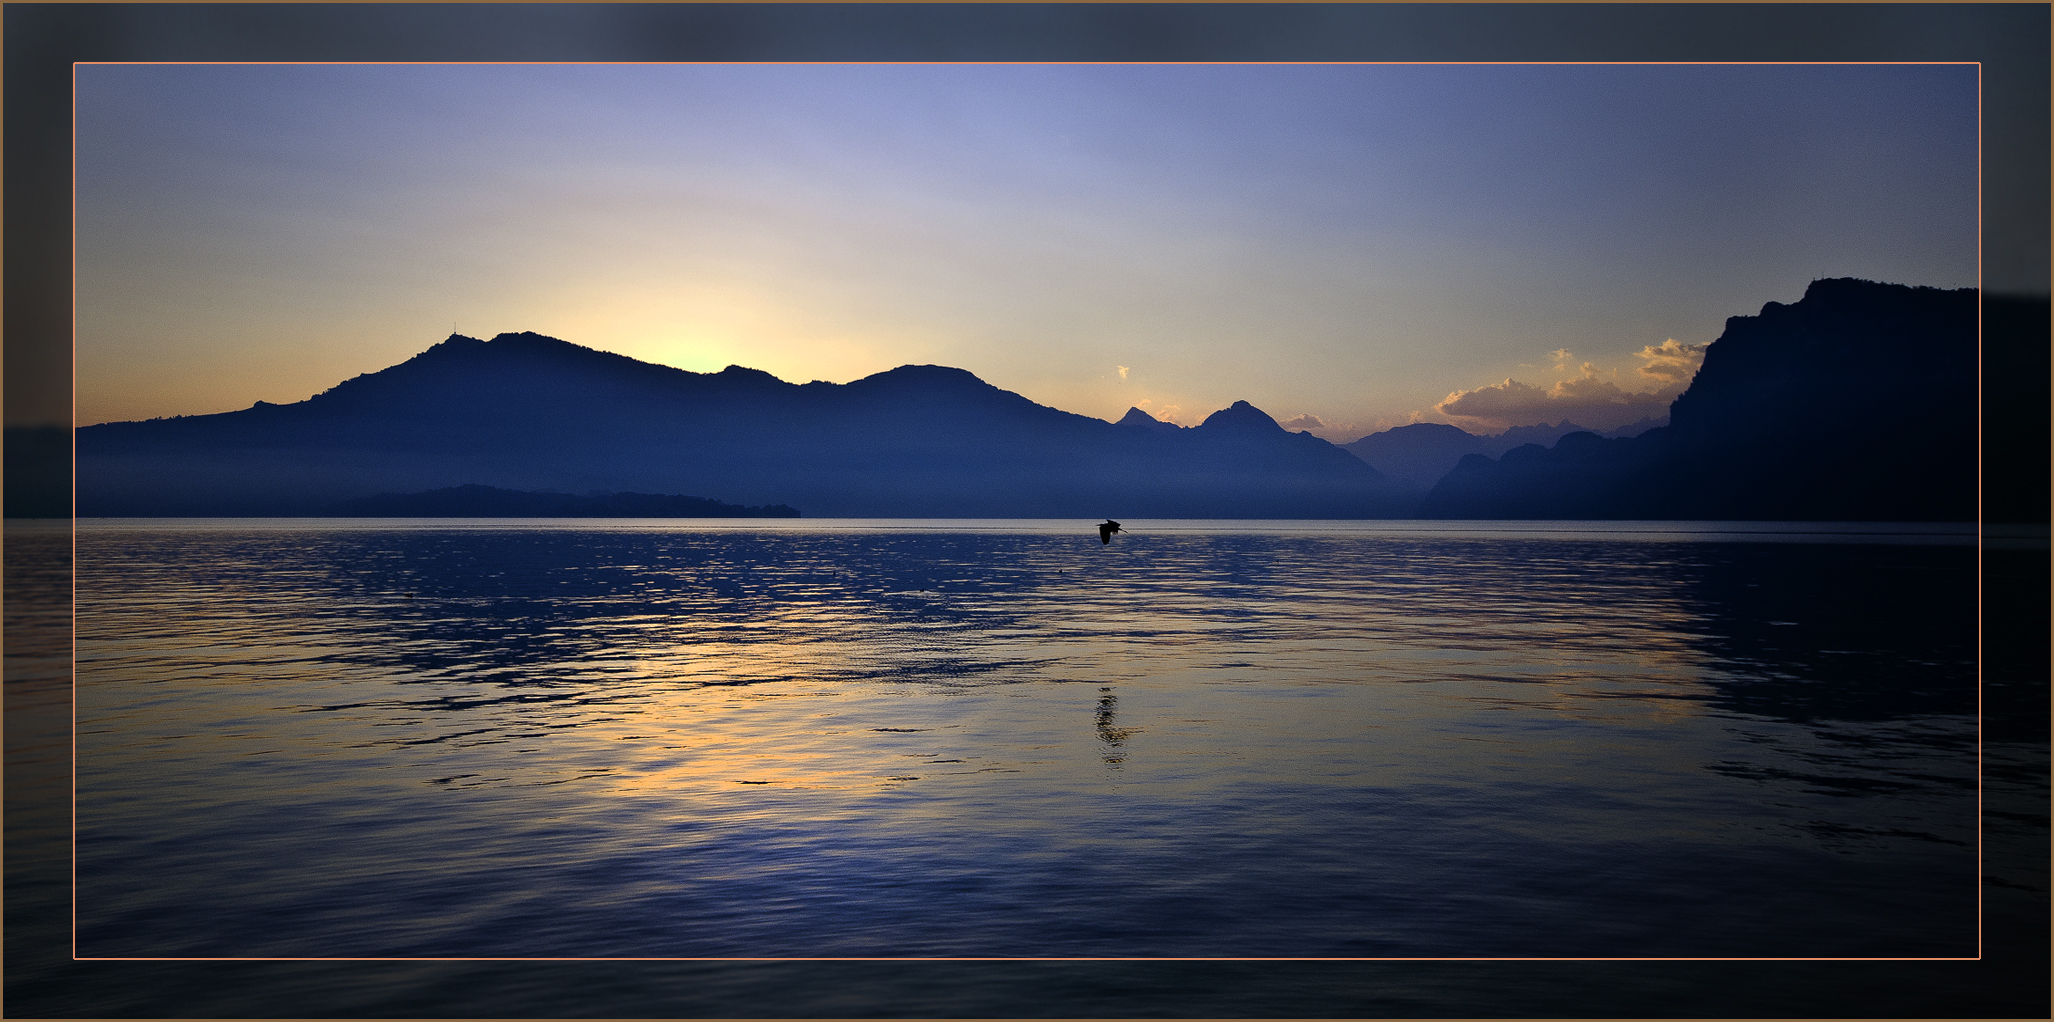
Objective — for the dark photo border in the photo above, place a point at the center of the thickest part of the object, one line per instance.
(43, 40)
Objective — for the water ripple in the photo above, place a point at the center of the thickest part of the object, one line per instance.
(725, 741)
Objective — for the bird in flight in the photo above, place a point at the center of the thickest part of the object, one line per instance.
(1105, 532)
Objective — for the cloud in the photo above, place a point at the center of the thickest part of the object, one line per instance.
(1123, 369)
(1167, 413)
(1306, 421)
(1672, 363)
(1588, 400)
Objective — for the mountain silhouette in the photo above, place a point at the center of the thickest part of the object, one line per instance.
(1137, 417)
(531, 413)
(1421, 453)
(1782, 422)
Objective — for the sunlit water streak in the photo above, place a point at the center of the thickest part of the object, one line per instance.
(325, 738)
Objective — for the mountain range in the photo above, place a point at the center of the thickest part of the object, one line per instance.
(1420, 454)
(526, 412)
(1781, 421)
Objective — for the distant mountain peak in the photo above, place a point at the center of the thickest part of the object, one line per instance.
(1432, 429)
(1240, 416)
(1137, 417)
(506, 343)
(454, 344)
(744, 373)
(529, 340)
(1838, 288)
(927, 374)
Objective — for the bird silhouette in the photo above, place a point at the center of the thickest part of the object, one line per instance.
(1105, 532)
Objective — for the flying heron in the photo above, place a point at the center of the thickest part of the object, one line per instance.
(1105, 532)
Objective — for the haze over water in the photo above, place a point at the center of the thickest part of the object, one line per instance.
(929, 739)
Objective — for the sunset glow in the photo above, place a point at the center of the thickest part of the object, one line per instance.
(1351, 242)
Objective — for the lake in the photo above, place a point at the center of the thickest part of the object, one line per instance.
(921, 739)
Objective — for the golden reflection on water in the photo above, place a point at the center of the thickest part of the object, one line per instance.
(649, 698)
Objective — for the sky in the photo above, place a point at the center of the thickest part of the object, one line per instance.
(1347, 247)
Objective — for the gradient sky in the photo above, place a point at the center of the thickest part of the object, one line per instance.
(1352, 242)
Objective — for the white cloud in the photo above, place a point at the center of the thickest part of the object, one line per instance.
(1672, 363)
(1587, 400)
(1305, 421)
(1590, 398)
(1123, 371)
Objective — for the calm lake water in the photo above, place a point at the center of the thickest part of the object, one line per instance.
(312, 738)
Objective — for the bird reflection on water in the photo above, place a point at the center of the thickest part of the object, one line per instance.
(1115, 738)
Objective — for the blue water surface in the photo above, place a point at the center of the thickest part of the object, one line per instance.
(797, 739)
